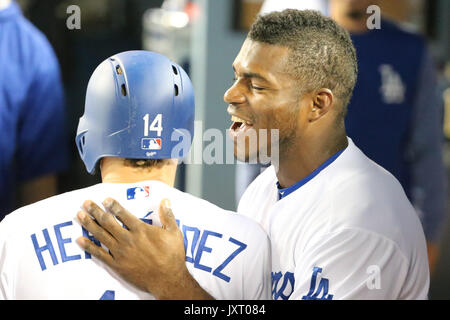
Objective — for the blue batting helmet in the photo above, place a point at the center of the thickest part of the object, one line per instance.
(139, 105)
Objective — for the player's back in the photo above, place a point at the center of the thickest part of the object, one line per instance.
(39, 258)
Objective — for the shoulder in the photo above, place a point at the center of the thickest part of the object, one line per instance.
(60, 206)
(401, 34)
(259, 196)
(355, 172)
(366, 196)
(33, 46)
(391, 41)
(31, 33)
(203, 212)
(261, 186)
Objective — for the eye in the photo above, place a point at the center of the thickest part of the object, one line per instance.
(256, 88)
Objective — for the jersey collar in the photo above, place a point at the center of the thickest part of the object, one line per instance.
(282, 193)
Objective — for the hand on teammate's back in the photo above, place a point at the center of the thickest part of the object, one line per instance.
(151, 258)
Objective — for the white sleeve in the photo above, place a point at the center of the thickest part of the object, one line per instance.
(253, 192)
(259, 267)
(350, 264)
(243, 204)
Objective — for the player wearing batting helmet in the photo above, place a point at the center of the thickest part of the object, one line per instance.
(138, 120)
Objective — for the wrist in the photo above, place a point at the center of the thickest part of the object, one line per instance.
(184, 287)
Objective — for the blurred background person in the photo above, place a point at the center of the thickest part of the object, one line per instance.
(396, 113)
(32, 115)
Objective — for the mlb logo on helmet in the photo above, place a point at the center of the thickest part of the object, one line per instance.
(138, 193)
(151, 143)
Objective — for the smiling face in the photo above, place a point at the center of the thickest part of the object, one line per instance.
(263, 96)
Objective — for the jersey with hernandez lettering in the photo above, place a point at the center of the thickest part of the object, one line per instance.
(228, 254)
(347, 231)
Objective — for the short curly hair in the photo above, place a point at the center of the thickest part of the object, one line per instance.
(322, 54)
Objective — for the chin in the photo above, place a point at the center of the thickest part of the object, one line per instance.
(251, 157)
(244, 156)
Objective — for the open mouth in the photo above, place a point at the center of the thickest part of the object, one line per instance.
(239, 126)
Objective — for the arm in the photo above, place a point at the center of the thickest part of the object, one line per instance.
(149, 257)
(257, 268)
(428, 176)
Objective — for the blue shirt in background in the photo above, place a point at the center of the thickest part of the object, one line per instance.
(32, 115)
(395, 117)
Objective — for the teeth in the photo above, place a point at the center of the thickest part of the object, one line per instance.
(237, 119)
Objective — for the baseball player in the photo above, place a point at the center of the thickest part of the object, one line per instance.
(341, 227)
(135, 102)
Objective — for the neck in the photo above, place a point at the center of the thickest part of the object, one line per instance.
(306, 157)
(115, 171)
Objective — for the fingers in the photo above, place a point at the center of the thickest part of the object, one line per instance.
(129, 220)
(95, 250)
(166, 216)
(98, 232)
(105, 220)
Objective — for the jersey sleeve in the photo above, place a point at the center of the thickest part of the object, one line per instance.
(259, 266)
(353, 264)
(41, 147)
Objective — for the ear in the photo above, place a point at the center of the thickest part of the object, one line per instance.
(323, 100)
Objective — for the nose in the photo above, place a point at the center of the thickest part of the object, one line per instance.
(234, 94)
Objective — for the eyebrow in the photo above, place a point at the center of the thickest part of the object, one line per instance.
(252, 75)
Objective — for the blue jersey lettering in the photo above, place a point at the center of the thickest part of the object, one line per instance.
(48, 246)
(241, 247)
(202, 248)
(62, 241)
(287, 286)
(313, 294)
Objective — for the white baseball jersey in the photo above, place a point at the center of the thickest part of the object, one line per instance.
(228, 254)
(347, 231)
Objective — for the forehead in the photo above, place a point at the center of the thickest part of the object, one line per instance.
(262, 58)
